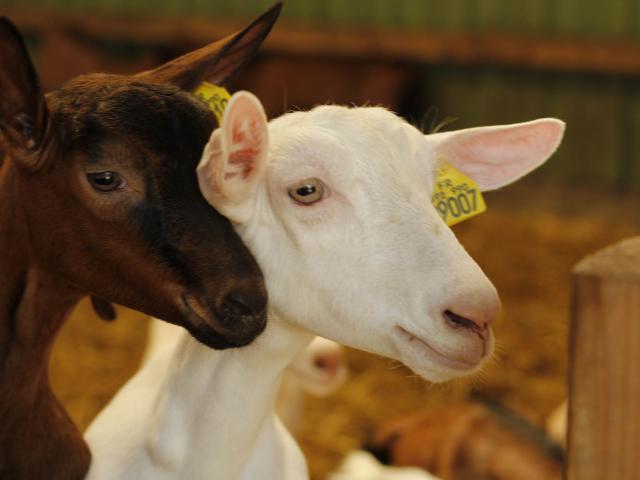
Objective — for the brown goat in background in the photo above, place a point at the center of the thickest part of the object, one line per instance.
(472, 441)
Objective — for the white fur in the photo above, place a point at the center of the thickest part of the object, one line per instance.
(361, 465)
(319, 370)
(162, 339)
(371, 266)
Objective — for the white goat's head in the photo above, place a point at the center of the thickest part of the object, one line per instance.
(335, 203)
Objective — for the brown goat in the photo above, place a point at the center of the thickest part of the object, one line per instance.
(472, 441)
(99, 196)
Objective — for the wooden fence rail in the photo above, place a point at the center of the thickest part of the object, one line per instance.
(533, 50)
(604, 383)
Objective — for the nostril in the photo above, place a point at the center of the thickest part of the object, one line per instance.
(458, 321)
(238, 303)
(235, 304)
(327, 363)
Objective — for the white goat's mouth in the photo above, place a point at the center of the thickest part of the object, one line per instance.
(421, 347)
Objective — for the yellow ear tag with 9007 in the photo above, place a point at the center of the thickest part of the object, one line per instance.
(456, 196)
(215, 97)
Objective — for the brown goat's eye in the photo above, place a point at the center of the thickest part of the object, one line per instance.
(308, 191)
(106, 181)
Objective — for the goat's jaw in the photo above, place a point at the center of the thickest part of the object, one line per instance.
(417, 353)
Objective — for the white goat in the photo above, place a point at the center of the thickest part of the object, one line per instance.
(319, 370)
(335, 204)
(361, 465)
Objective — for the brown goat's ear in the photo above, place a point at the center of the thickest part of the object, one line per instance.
(103, 309)
(217, 62)
(23, 110)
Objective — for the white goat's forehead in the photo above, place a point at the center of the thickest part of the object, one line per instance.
(351, 137)
(347, 124)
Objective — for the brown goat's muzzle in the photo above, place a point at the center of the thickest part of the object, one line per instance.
(233, 321)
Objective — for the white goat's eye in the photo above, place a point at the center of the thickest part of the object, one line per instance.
(308, 191)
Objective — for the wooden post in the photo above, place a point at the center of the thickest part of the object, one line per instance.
(604, 378)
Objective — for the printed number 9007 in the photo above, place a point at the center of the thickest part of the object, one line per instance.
(457, 205)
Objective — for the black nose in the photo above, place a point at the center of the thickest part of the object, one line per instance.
(242, 315)
(243, 303)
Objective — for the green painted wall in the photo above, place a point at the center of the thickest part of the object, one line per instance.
(602, 142)
(610, 18)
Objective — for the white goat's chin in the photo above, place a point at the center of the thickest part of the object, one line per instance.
(421, 357)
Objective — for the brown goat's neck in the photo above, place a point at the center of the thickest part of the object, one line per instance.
(38, 438)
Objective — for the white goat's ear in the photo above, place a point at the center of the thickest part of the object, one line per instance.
(498, 155)
(234, 160)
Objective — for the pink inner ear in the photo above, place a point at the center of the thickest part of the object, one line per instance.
(246, 139)
(495, 157)
(237, 135)
(245, 161)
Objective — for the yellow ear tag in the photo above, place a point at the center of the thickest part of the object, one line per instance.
(215, 97)
(456, 196)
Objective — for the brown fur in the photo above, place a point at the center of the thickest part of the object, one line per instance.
(155, 245)
(472, 441)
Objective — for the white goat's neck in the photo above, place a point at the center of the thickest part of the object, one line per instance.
(218, 405)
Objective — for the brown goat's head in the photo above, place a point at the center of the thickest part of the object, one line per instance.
(104, 171)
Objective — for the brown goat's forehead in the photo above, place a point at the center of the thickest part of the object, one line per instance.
(161, 116)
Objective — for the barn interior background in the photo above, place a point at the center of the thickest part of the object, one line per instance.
(479, 62)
